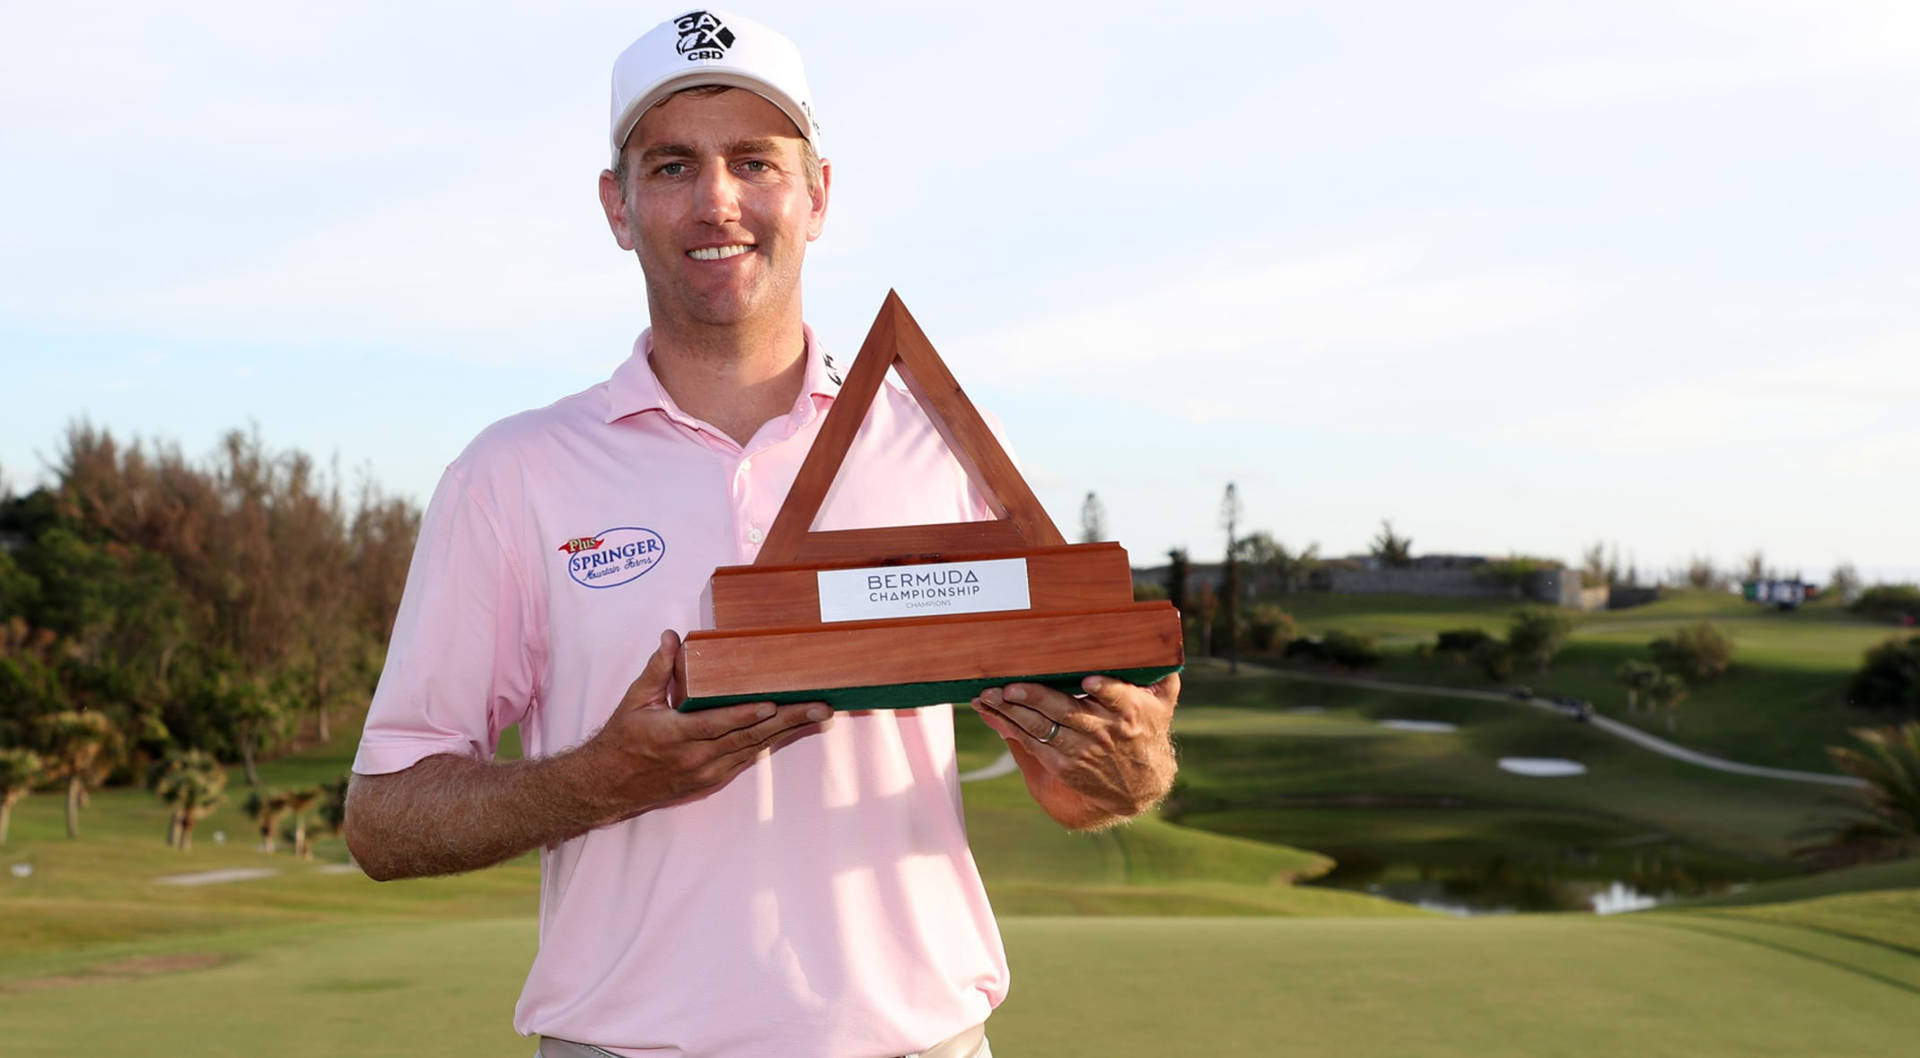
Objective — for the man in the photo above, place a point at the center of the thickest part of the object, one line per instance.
(756, 880)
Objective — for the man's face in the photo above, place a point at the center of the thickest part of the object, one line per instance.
(717, 206)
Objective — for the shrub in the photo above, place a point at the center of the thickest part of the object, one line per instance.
(1305, 649)
(1351, 651)
(1890, 678)
(1698, 652)
(1462, 641)
(1493, 658)
(1535, 636)
(1271, 627)
(1899, 603)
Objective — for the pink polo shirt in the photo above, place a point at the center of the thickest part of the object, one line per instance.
(824, 903)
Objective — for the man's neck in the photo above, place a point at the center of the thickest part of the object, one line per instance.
(735, 378)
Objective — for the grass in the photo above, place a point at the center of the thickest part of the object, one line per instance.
(1335, 780)
(1781, 702)
(1150, 939)
(1725, 984)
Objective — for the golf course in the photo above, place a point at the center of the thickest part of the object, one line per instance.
(1249, 917)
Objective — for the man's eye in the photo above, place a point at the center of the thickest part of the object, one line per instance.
(755, 165)
(672, 169)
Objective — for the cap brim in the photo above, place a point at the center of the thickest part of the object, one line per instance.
(658, 94)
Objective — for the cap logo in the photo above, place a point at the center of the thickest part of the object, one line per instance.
(702, 36)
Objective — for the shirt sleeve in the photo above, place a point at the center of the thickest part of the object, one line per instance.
(459, 666)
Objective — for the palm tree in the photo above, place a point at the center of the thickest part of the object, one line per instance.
(267, 809)
(298, 802)
(333, 805)
(20, 769)
(1638, 678)
(77, 743)
(1883, 820)
(1667, 693)
(193, 784)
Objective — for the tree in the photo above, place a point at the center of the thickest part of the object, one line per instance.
(1494, 658)
(1666, 693)
(1271, 628)
(1698, 652)
(1208, 603)
(1757, 567)
(1844, 582)
(1883, 822)
(1889, 678)
(192, 784)
(299, 802)
(1638, 678)
(333, 803)
(1899, 603)
(20, 770)
(266, 808)
(1272, 566)
(255, 717)
(1391, 548)
(1594, 569)
(1535, 636)
(1230, 520)
(1177, 572)
(1349, 650)
(76, 742)
(1093, 520)
(1700, 572)
(1460, 642)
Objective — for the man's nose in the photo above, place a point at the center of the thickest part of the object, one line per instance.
(717, 195)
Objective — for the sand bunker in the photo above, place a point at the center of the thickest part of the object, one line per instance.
(1436, 727)
(1542, 767)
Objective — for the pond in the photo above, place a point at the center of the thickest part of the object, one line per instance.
(1503, 885)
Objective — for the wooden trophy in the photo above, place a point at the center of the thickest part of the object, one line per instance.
(907, 616)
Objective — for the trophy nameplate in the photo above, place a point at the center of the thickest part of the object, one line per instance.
(906, 616)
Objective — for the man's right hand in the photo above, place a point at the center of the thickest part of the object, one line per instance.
(450, 813)
(652, 755)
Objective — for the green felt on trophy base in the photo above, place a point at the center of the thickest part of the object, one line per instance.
(915, 695)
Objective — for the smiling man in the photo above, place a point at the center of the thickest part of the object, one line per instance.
(750, 881)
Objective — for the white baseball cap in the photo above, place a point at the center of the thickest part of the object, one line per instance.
(709, 47)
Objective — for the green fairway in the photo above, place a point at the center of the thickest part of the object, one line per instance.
(1311, 766)
(1180, 935)
(1780, 703)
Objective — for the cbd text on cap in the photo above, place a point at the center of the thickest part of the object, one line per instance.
(709, 47)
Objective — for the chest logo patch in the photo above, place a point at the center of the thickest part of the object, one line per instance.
(613, 557)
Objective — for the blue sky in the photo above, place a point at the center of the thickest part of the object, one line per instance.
(1519, 276)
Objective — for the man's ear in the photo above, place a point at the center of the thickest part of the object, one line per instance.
(817, 219)
(613, 200)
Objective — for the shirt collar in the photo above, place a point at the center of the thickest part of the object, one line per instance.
(634, 387)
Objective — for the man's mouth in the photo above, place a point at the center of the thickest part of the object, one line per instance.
(718, 253)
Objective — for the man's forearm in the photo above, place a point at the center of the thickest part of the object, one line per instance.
(448, 814)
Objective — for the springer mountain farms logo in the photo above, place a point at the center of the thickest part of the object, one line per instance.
(613, 557)
(702, 36)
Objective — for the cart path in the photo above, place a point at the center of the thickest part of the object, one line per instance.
(1005, 765)
(1610, 726)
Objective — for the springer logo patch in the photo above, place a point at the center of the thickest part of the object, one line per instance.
(613, 557)
(702, 36)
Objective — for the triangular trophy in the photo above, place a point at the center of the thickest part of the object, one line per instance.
(878, 618)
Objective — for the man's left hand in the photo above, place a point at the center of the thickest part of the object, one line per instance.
(1091, 759)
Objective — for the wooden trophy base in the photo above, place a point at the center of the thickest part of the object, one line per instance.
(800, 625)
(1082, 609)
